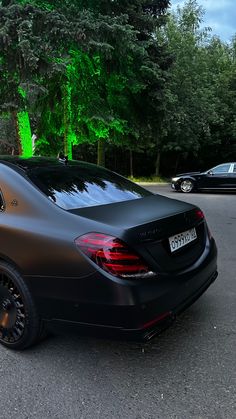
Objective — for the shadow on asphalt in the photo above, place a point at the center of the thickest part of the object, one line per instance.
(204, 193)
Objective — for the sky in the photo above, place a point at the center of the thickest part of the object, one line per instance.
(220, 16)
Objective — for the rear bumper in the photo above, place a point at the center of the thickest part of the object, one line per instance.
(160, 324)
(144, 333)
(136, 310)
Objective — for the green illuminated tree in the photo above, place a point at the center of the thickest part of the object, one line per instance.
(108, 105)
(75, 108)
(98, 69)
(28, 48)
(135, 73)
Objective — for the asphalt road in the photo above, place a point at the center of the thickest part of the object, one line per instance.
(187, 372)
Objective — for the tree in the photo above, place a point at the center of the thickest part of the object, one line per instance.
(189, 96)
(199, 94)
(145, 70)
(25, 59)
(111, 109)
(222, 77)
(85, 113)
(124, 68)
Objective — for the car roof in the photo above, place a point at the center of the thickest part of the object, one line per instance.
(25, 164)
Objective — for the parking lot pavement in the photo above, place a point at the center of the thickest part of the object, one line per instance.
(189, 371)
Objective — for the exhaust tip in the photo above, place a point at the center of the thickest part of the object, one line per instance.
(156, 326)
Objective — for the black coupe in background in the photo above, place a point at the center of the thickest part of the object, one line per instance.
(84, 247)
(221, 177)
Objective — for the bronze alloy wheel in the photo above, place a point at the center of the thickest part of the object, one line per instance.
(12, 311)
(20, 325)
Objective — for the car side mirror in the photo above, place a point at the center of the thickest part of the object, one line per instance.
(210, 172)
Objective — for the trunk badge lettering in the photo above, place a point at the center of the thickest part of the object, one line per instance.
(149, 234)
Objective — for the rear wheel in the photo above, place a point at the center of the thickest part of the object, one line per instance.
(20, 325)
(187, 186)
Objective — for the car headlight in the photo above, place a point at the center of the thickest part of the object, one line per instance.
(174, 179)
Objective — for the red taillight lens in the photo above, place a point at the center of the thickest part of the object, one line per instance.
(199, 215)
(113, 255)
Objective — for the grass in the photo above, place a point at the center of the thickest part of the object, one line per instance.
(149, 179)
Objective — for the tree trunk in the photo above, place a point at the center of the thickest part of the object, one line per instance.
(67, 145)
(177, 163)
(16, 124)
(131, 161)
(67, 135)
(101, 152)
(158, 162)
(66, 148)
(67, 120)
(23, 133)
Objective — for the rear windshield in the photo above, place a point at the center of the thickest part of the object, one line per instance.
(76, 186)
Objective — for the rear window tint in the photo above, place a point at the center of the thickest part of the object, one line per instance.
(76, 186)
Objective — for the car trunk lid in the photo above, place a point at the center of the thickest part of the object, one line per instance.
(146, 224)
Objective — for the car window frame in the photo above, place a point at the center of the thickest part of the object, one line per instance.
(232, 168)
(219, 165)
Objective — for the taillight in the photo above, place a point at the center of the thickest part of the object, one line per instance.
(199, 215)
(113, 256)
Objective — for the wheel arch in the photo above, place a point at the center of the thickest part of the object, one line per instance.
(6, 259)
(192, 178)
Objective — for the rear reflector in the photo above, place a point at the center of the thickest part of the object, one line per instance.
(157, 320)
(113, 256)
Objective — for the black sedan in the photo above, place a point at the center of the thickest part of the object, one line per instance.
(81, 246)
(221, 177)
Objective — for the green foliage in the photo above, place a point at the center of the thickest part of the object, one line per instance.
(200, 104)
(49, 147)
(118, 72)
(28, 47)
(104, 86)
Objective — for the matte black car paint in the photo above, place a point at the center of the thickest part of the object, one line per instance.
(38, 237)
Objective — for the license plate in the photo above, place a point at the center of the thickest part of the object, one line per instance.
(182, 239)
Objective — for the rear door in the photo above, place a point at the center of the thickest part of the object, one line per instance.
(232, 177)
(218, 177)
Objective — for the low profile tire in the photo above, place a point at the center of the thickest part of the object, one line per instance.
(20, 325)
(187, 186)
